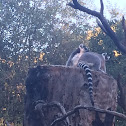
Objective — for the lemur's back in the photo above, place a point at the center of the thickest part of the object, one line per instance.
(92, 59)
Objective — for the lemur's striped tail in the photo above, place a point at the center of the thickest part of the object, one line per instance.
(89, 76)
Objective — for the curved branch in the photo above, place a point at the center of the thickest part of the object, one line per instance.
(124, 24)
(101, 26)
(77, 108)
(124, 28)
(76, 5)
(104, 22)
(40, 104)
(102, 7)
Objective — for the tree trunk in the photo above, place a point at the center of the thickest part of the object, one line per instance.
(51, 91)
(122, 93)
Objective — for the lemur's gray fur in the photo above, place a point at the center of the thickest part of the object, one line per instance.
(94, 60)
(76, 54)
(73, 61)
(86, 60)
(89, 77)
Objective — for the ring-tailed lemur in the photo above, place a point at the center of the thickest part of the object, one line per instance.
(73, 61)
(95, 61)
(75, 55)
(88, 60)
(89, 77)
(104, 57)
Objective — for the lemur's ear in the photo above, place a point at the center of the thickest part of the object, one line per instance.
(82, 46)
(104, 54)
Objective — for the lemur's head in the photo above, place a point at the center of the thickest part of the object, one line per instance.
(106, 56)
(83, 48)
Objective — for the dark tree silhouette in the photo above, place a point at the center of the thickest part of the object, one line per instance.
(103, 24)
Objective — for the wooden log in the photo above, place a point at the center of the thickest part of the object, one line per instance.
(51, 91)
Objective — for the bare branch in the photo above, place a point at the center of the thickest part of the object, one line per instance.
(40, 104)
(72, 5)
(124, 27)
(77, 108)
(76, 5)
(123, 23)
(104, 22)
(101, 26)
(102, 7)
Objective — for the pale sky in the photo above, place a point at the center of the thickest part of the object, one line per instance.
(119, 4)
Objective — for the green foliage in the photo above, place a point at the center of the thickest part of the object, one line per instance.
(31, 34)
(24, 30)
(117, 64)
(102, 43)
(42, 32)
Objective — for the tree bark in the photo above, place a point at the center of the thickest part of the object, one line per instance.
(122, 93)
(52, 91)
